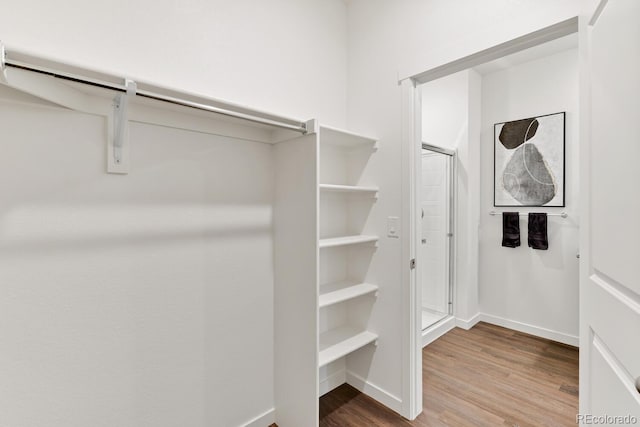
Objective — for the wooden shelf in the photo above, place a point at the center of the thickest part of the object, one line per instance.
(339, 342)
(337, 292)
(353, 189)
(346, 240)
(343, 138)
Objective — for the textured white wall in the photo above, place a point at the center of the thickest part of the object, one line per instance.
(286, 56)
(385, 38)
(537, 288)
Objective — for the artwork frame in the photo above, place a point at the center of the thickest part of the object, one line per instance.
(529, 162)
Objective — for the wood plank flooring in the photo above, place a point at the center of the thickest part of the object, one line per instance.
(487, 376)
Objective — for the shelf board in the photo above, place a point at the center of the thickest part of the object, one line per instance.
(339, 342)
(353, 189)
(344, 138)
(334, 293)
(346, 240)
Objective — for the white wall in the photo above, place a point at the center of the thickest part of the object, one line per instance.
(126, 300)
(445, 110)
(384, 37)
(287, 56)
(532, 287)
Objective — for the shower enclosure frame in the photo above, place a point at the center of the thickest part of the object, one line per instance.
(451, 225)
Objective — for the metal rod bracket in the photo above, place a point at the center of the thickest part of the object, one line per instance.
(3, 64)
(120, 127)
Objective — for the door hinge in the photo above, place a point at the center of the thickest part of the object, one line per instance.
(412, 264)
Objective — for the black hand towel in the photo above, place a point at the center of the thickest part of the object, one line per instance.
(538, 231)
(510, 229)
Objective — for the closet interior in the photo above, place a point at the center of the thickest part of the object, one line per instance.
(306, 182)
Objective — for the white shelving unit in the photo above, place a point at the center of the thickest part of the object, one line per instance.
(339, 342)
(343, 138)
(323, 293)
(347, 240)
(346, 243)
(337, 292)
(353, 189)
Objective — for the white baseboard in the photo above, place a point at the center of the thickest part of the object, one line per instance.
(434, 332)
(332, 381)
(468, 324)
(531, 329)
(263, 420)
(387, 399)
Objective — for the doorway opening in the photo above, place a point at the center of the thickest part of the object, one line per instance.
(472, 181)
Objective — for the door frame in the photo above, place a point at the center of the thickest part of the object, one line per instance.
(411, 144)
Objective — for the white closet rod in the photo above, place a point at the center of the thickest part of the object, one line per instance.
(26, 61)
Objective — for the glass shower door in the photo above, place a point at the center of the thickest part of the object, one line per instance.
(436, 236)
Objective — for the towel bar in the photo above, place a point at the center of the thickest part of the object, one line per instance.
(562, 214)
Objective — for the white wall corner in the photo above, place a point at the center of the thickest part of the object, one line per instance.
(375, 392)
(466, 304)
(469, 323)
(474, 121)
(435, 332)
(263, 420)
(332, 381)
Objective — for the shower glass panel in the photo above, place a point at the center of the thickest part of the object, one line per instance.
(435, 248)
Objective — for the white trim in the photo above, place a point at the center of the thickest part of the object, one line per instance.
(531, 329)
(262, 420)
(387, 399)
(411, 294)
(586, 333)
(438, 149)
(616, 366)
(598, 11)
(535, 38)
(469, 323)
(332, 381)
(515, 325)
(434, 332)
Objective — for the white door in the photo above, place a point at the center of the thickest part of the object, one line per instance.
(610, 243)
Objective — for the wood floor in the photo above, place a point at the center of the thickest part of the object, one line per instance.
(487, 376)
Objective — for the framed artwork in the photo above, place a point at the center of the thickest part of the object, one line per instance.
(529, 162)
